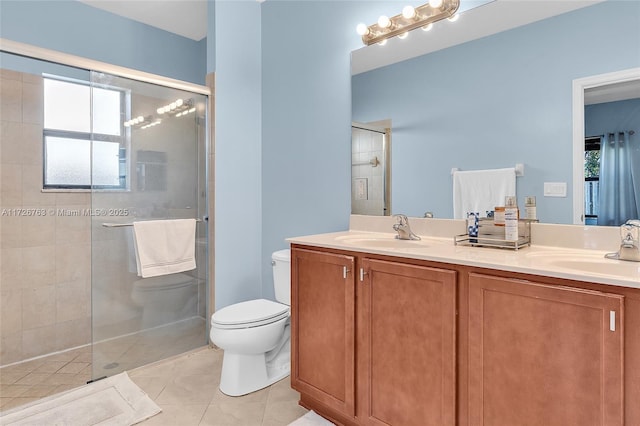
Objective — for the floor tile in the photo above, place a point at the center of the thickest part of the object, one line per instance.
(183, 415)
(10, 377)
(189, 390)
(234, 414)
(185, 387)
(33, 379)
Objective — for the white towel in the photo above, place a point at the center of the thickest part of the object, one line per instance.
(164, 246)
(481, 190)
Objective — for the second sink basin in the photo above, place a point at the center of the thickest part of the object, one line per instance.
(591, 263)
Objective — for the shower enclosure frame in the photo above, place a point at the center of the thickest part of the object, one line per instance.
(55, 57)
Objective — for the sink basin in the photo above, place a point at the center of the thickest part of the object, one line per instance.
(587, 262)
(382, 242)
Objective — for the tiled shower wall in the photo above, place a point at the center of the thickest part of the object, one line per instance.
(365, 145)
(45, 259)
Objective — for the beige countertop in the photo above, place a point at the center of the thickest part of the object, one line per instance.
(560, 262)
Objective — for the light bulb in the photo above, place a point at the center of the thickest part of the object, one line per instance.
(179, 102)
(435, 3)
(427, 27)
(403, 35)
(453, 18)
(362, 29)
(160, 110)
(384, 22)
(383, 42)
(140, 119)
(408, 12)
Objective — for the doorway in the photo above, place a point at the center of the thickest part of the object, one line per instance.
(370, 170)
(610, 87)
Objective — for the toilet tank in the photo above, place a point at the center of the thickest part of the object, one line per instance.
(281, 261)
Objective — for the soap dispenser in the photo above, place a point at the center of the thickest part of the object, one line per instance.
(511, 216)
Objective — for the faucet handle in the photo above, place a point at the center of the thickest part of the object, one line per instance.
(402, 219)
(629, 233)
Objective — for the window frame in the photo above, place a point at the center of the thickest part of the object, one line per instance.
(123, 140)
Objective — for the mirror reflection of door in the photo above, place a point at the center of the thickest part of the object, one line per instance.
(612, 154)
(370, 168)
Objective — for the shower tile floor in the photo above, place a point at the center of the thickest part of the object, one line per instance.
(32, 380)
(184, 386)
(37, 378)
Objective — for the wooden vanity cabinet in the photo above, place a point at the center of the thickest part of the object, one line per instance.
(395, 321)
(543, 355)
(323, 328)
(406, 344)
(378, 340)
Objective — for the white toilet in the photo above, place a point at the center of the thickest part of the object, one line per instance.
(166, 299)
(255, 336)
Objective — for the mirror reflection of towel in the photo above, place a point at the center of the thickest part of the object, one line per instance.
(164, 246)
(481, 190)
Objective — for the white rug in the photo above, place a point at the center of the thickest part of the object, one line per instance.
(311, 419)
(112, 401)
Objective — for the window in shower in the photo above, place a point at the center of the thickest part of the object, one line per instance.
(68, 135)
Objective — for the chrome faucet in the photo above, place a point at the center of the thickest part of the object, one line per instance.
(630, 245)
(403, 229)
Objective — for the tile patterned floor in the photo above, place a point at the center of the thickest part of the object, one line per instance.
(185, 387)
(32, 380)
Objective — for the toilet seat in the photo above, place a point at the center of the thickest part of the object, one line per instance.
(252, 313)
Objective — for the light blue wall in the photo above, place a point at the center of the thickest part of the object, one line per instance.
(75, 28)
(612, 117)
(211, 36)
(306, 132)
(494, 102)
(238, 168)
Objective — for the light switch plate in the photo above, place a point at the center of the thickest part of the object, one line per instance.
(555, 189)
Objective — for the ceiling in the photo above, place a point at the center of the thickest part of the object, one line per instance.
(188, 18)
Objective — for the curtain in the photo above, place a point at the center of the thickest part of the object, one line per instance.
(619, 198)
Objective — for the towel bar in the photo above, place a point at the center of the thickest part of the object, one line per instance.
(519, 169)
(119, 225)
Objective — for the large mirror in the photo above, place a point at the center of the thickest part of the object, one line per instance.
(497, 100)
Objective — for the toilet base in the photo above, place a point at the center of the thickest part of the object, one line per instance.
(243, 374)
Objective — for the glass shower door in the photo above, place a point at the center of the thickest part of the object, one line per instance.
(148, 163)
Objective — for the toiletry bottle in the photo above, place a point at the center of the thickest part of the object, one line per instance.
(511, 219)
(498, 216)
(472, 226)
(530, 208)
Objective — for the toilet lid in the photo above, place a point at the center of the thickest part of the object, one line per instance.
(250, 314)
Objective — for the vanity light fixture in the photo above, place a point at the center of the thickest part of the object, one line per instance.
(176, 107)
(410, 18)
(138, 122)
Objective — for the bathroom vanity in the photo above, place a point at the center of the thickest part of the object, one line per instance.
(388, 332)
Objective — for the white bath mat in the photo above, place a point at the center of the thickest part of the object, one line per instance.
(112, 401)
(311, 419)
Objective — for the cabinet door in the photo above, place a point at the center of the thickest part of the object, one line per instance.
(406, 344)
(543, 355)
(323, 328)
